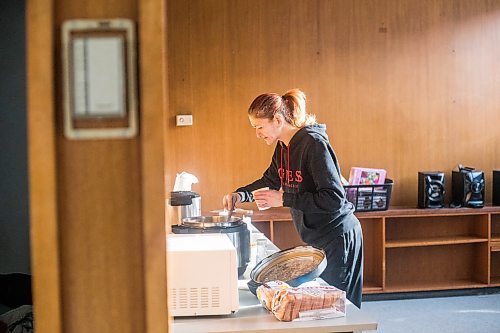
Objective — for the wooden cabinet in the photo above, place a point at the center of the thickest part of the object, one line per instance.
(409, 249)
(435, 251)
(277, 225)
(495, 249)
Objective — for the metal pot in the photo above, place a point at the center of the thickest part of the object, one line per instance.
(185, 204)
(234, 228)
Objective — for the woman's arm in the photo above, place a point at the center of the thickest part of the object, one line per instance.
(270, 179)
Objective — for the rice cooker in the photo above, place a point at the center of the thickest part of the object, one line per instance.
(234, 228)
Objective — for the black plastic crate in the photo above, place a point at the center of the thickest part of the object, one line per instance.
(366, 198)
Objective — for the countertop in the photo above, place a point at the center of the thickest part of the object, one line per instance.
(253, 318)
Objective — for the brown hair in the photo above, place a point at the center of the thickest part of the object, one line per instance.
(291, 105)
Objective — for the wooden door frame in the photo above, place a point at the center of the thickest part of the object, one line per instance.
(45, 262)
(154, 105)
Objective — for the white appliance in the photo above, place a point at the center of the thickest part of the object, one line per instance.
(202, 275)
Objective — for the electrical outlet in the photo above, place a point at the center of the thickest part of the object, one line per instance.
(184, 120)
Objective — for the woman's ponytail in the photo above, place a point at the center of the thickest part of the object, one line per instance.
(295, 103)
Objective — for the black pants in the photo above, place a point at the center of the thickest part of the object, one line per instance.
(344, 268)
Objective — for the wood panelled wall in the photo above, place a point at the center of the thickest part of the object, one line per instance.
(403, 85)
(98, 237)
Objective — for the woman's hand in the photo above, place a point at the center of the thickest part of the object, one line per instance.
(268, 198)
(230, 200)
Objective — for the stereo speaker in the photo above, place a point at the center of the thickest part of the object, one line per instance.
(468, 187)
(496, 188)
(431, 189)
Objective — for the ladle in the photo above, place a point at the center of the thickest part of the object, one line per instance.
(233, 202)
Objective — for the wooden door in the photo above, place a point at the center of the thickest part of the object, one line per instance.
(97, 206)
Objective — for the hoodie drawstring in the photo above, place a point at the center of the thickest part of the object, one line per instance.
(281, 167)
(288, 166)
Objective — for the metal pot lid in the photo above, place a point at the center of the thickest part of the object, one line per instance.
(211, 221)
(293, 266)
(182, 198)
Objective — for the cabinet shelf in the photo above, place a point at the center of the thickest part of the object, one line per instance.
(369, 287)
(495, 281)
(435, 241)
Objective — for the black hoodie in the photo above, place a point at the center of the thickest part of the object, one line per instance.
(309, 174)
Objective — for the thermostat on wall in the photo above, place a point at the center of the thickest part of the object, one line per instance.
(99, 67)
(184, 120)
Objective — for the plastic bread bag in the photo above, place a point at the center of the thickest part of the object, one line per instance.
(303, 303)
(333, 305)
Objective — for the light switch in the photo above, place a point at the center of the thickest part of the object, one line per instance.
(184, 120)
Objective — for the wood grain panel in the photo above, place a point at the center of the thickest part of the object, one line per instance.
(154, 100)
(264, 227)
(495, 267)
(45, 265)
(415, 268)
(401, 85)
(495, 225)
(434, 227)
(482, 270)
(373, 252)
(285, 235)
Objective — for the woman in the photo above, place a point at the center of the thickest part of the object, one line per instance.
(304, 175)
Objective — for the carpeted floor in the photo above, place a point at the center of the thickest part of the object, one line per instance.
(457, 314)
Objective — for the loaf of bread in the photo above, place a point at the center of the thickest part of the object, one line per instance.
(266, 292)
(288, 303)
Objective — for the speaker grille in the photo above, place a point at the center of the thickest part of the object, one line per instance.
(431, 189)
